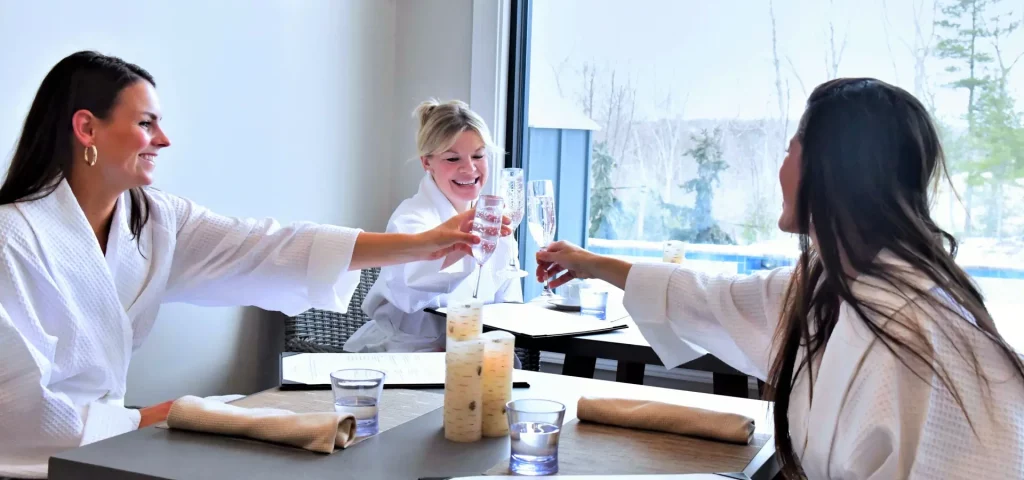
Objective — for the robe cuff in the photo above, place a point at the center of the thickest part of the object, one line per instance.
(330, 283)
(646, 300)
(103, 420)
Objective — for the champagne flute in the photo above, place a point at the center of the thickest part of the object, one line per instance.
(487, 224)
(541, 217)
(511, 188)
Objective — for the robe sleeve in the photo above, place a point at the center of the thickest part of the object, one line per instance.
(225, 261)
(36, 422)
(732, 317)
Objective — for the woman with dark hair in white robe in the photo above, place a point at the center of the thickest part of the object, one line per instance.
(88, 253)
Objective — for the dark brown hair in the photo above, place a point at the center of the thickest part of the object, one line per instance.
(870, 153)
(42, 158)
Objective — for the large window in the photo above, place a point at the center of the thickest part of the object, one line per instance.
(678, 112)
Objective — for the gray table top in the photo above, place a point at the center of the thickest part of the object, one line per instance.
(411, 450)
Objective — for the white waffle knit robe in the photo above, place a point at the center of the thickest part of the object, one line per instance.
(871, 417)
(71, 316)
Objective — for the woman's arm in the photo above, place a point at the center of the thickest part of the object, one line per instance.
(451, 240)
(219, 260)
(731, 316)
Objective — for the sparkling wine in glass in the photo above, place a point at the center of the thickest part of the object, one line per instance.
(512, 188)
(540, 218)
(486, 225)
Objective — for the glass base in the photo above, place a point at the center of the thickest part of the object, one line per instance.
(533, 465)
(512, 273)
(367, 427)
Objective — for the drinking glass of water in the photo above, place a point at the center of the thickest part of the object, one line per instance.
(357, 391)
(534, 427)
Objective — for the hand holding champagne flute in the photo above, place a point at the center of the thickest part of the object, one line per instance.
(488, 225)
(541, 217)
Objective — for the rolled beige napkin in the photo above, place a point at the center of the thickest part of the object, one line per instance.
(319, 432)
(664, 417)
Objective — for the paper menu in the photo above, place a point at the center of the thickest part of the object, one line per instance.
(419, 368)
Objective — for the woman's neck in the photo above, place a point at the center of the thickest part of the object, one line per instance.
(98, 208)
(461, 207)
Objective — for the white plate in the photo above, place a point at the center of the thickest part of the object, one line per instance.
(563, 304)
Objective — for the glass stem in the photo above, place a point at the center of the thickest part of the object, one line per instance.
(479, 275)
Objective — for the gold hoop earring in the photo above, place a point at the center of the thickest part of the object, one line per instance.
(95, 155)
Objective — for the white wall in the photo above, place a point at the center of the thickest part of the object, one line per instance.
(433, 49)
(274, 107)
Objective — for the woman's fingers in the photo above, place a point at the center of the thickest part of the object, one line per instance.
(567, 277)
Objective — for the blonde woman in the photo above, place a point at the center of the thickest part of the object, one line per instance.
(454, 146)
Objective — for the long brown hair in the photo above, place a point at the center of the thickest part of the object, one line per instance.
(870, 154)
(42, 158)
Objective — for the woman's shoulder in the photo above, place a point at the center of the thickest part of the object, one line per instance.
(14, 227)
(167, 209)
(414, 213)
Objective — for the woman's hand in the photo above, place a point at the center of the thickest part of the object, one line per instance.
(453, 237)
(155, 414)
(562, 262)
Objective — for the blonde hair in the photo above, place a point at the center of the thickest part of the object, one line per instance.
(441, 124)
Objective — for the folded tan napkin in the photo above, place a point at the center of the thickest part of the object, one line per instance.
(319, 432)
(664, 417)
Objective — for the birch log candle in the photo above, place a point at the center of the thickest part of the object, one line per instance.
(673, 251)
(465, 320)
(463, 383)
(499, 354)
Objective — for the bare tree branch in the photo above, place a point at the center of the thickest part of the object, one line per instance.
(888, 44)
(1014, 62)
(799, 80)
(832, 62)
(775, 59)
(557, 70)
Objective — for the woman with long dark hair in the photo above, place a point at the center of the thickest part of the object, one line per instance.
(88, 253)
(877, 349)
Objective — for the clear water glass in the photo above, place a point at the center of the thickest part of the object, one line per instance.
(593, 301)
(540, 217)
(357, 391)
(512, 188)
(534, 428)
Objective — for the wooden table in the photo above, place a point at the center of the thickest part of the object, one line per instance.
(412, 443)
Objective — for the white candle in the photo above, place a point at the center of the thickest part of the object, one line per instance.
(674, 252)
(463, 382)
(465, 320)
(499, 354)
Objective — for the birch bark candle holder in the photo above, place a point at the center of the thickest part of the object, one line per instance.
(463, 387)
(465, 320)
(673, 251)
(499, 354)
